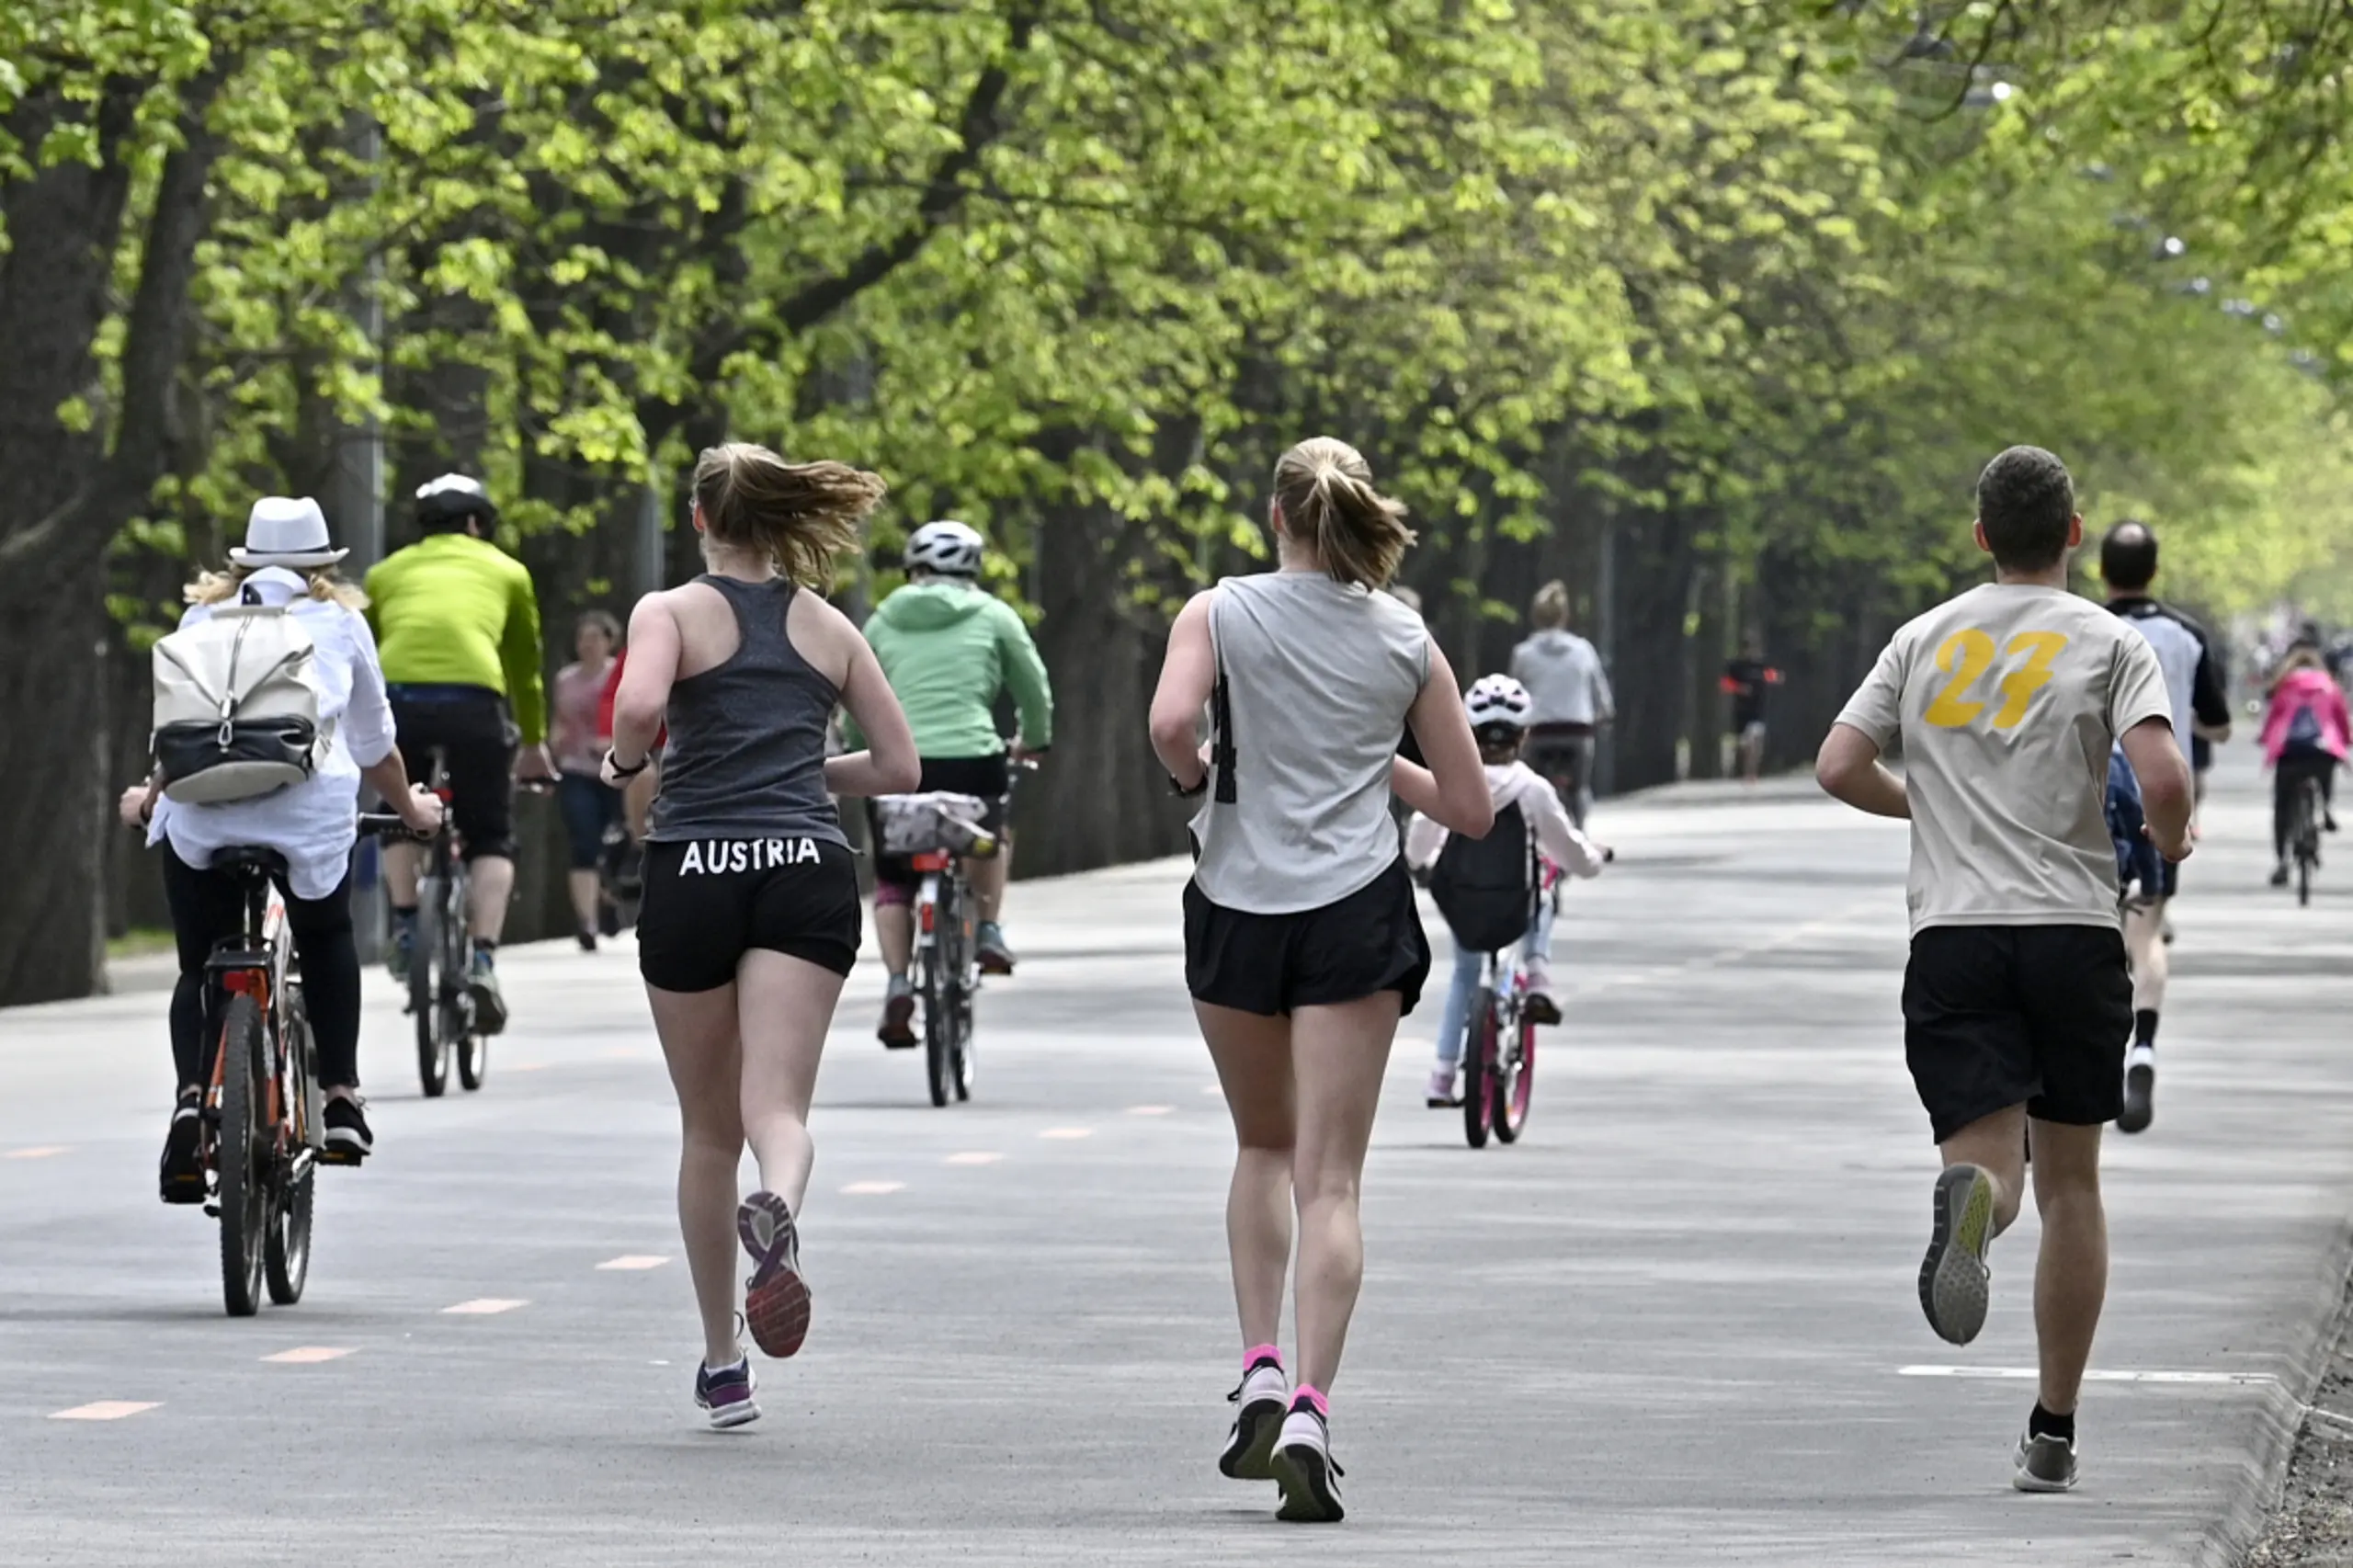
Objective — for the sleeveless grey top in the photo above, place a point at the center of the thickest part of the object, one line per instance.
(747, 755)
(1315, 678)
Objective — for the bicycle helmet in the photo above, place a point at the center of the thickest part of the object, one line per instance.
(447, 502)
(1498, 707)
(949, 548)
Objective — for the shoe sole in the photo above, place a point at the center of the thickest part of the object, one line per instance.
(1250, 1452)
(995, 963)
(1954, 1287)
(2139, 1097)
(490, 1009)
(1306, 1480)
(2024, 1479)
(724, 1417)
(184, 1190)
(898, 1023)
(343, 1149)
(775, 1303)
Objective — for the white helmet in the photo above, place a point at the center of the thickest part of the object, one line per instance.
(951, 549)
(1498, 700)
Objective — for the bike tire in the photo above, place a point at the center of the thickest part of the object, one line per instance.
(286, 1250)
(425, 994)
(939, 1021)
(2303, 880)
(963, 1063)
(244, 1162)
(1514, 1088)
(1478, 1056)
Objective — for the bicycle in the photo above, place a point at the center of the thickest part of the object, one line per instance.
(440, 962)
(938, 832)
(2305, 836)
(262, 1120)
(1499, 1054)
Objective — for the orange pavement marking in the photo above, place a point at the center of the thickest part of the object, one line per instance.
(634, 1260)
(1067, 1132)
(873, 1188)
(303, 1355)
(104, 1410)
(484, 1305)
(975, 1157)
(39, 1151)
(1149, 1109)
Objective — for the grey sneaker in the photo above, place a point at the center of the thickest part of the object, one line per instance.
(1954, 1281)
(897, 1029)
(2045, 1464)
(490, 1003)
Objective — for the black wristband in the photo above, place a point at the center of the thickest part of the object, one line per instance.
(621, 772)
(1184, 794)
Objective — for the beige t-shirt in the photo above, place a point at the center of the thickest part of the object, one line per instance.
(2009, 699)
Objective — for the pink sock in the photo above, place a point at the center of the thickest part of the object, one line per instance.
(1314, 1398)
(1258, 1353)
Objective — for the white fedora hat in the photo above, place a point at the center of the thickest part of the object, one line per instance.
(285, 530)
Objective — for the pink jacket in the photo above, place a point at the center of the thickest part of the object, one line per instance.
(2320, 691)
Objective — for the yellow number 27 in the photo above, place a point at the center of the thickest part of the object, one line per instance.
(1968, 654)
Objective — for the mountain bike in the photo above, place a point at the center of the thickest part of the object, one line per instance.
(2304, 836)
(262, 1124)
(441, 963)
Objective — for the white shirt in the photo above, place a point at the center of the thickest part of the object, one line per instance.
(1517, 784)
(314, 824)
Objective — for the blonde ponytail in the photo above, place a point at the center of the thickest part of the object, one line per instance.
(1326, 489)
(801, 515)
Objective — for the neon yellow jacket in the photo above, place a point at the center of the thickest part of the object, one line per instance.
(456, 611)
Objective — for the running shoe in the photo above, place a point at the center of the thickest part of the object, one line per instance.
(2045, 1464)
(1954, 1281)
(1261, 1401)
(2140, 1091)
(403, 945)
(348, 1139)
(989, 948)
(1305, 1470)
(726, 1393)
(182, 1172)
(1442, 1095)
(609, 920)
(776, 1299)
(481, 984)
(587, 935)
(2280, 875)
(898, 1026)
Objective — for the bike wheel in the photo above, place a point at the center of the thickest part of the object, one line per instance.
(1514, 1087)
(1478, 1064)
(286, 1250)
(963, 1060)
(472, 1046)
(244, 1155)
(425, 987)
(2303, 878)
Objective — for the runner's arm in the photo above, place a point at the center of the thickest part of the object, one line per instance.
(518, 652)
(1025, 672)
(1850, 768)
(1453, 787)
(2164, 773)
(644, 696)
(1188, 672)
(887, 764)
(854, 738)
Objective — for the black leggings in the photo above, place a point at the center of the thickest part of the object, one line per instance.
(207, 905)
(2291, 774)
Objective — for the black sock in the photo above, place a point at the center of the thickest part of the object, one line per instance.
(408, 912)
(2042, 1423)
(2144, 1026)
(490, 945)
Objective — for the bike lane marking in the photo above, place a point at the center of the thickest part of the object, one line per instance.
(1067, 1132)
(873, 1188)
(40, 1152)
(974, 1157)
(307, 1355)
(1152, 1110)
(482, 1306)
(634, 1260)
(105, 1410)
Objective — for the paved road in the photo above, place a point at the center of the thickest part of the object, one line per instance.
(1672, 1327)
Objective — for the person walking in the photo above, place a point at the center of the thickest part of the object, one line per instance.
(1564, 676)
(750, 918)
(578, 739)
(2017, 1000)
(1302, 946)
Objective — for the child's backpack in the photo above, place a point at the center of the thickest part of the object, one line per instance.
(1484, 887)
(2304, 732)
(235, 716)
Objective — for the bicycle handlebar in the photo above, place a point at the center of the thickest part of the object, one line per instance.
(387, 825)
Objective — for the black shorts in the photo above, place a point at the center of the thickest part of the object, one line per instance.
(989, 777)
(477, 741)
(1997, 1016)
(1370, 941)
(710, 901)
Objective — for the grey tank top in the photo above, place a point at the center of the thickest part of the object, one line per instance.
(747, 755)
(1315, 678)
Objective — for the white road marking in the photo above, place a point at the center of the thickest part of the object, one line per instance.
(873, 1188)
(1214, 1089)
(482, 1306)
(2021, 1374)
(1067, 1132)
(1149, 1109)
(975, 1157)
(39, 1151)
(104, 1410)
(527, 1067)
(634, 1260)
(304, 1354)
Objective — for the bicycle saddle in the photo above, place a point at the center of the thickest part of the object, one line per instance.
(249, 858)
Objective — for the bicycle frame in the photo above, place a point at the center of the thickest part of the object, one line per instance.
(237, 967)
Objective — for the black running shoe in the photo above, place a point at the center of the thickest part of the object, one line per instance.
(348, 1139)
(183, 1167)
(1260, 1404)
(1305, 1470)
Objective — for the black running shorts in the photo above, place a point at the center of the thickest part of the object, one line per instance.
(1997, 1016)
(710, 901)
(471, 726)
(1269, 964)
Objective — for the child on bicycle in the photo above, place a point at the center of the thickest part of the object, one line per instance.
(2304, 736)
(1525, 806)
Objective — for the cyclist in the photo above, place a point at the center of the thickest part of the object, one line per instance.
(1570, 690)
(579, 739)
(460, 628)
(1497, 707)
(2016, 999)
(286, 559)
(950, 647)
(2128, 564)
(1303, 945)
(2306, 731)
(750, 920)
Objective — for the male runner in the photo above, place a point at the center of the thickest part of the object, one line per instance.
(2201, 710)
(1746, 679)
(458, 627)
(2016, 1002)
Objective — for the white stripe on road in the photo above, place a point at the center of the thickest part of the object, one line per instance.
(1151, 1109)
(39, 1151)
(304, 1354)
(2022, 1374)
(1067, 1132)
(635, 1260)
(482, 1306)
(873, 1188)
(975, 1157)
(104, 1410)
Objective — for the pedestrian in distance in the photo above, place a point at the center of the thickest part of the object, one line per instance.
(1303, 945)
(577, 738)
(1573, 700)
(2017, 1000)
(1747, 680)
(2306, 732)
(750, 920)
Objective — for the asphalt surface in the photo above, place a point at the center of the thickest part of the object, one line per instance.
(1675, 1325)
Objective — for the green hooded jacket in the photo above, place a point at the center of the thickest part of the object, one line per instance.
(949, 647)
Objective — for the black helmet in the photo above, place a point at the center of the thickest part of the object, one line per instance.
(445, 503)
